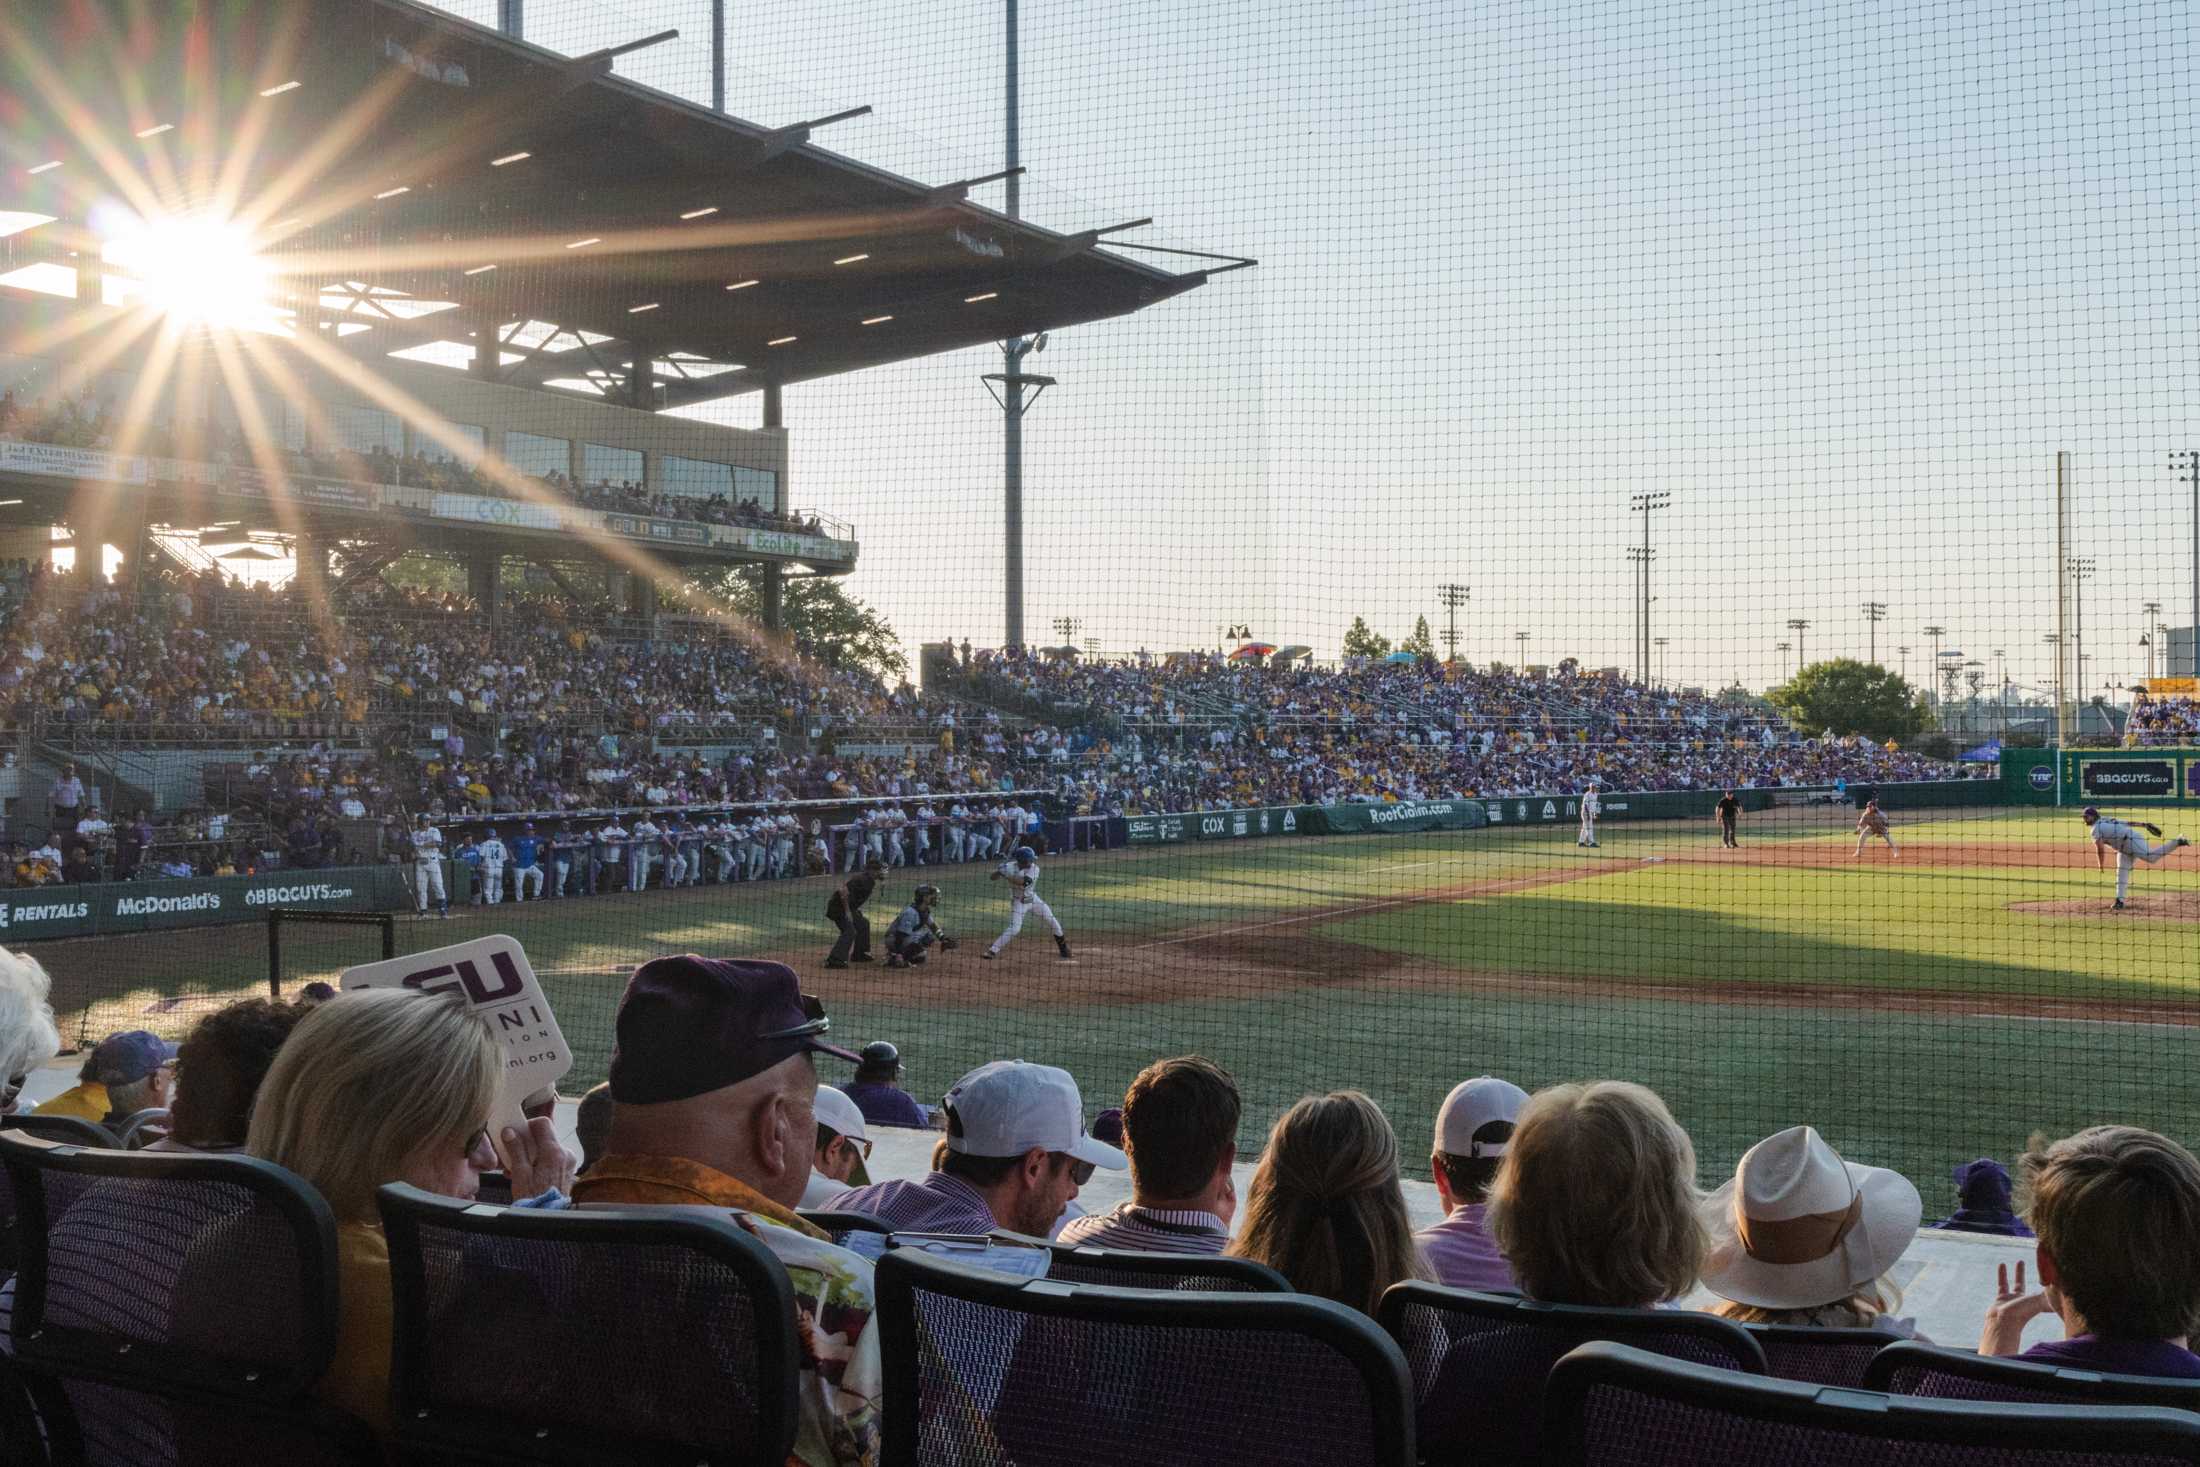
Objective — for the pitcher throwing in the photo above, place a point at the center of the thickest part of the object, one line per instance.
(1021, 872)
(2130, 846)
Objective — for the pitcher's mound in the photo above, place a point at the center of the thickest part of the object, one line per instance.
(2172, 906)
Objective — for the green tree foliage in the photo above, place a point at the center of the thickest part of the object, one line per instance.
(1421, 643)
(821, 618)
(1361, 640)
(1850, 697)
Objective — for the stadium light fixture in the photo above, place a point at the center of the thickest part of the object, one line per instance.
(876, 320)
(510, 158)
(700, 213)
(46, 167)
(779, 341)
(582, 244)
(741, 285)
(971, 300)
(277, 91)
(851, 259)
(157, 129)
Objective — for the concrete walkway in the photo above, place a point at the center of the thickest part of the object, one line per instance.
(1947, 1279)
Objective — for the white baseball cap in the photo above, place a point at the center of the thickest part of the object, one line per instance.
(1007, 1107)
(838, 1113)
(1473, 1104)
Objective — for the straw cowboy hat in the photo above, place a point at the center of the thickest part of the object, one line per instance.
(1797, 1227)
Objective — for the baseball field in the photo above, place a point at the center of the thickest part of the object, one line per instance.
(1919, 1010)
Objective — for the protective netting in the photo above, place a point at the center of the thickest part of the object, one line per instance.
(1675, 398)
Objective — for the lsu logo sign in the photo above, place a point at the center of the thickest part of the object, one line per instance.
(493, 976)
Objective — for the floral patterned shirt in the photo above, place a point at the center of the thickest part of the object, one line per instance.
(833, 1296)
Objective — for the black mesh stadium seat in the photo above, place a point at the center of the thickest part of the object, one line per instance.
(604, 1335)
(1123, 1268)
(1611, 1406)
(1911, 1369)
(982, 1368)
(1479, 1360)
(68, 1130)
(174, 1309)
(1835, 1357)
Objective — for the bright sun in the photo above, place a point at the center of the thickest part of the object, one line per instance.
(195, 268)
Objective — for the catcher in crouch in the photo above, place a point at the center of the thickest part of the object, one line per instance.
(915, 930)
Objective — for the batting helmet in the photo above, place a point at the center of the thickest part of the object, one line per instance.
(879, 1055)
(1025, 855)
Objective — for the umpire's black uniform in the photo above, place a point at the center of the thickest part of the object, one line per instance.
(844, 909)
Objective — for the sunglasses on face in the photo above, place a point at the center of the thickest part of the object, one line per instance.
(1080, 1172)
(861, 1148)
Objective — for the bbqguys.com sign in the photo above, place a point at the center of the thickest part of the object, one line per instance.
(493, 976)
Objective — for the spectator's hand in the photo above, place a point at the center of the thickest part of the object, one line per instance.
(533, 1159)
(2011, 1311)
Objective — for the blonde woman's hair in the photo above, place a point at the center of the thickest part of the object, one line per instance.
(365, 1083)
(1881, 1296)
(1596, 1201)
(28, 1037)
(1325, 1209)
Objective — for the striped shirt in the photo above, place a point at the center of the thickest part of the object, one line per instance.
(1148, 1230)
(933, 1203)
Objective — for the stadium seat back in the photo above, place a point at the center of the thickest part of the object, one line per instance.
(1912, 1369)
(68, 1130)
(837, 1225)
(1479, 1360)
(604, 1335)
(982, 1367)
(1123, 1268)
(174, 1308)
(1835, 1357)
(1609, 1405)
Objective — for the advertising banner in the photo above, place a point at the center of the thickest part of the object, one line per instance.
(483, 509)
(1147, 830)
(1408, 816)
(144, 906)
(53, 461)
(2127, 779)
(640, 527)
(494, 977)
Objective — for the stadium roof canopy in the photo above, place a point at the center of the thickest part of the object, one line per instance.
(415, 180)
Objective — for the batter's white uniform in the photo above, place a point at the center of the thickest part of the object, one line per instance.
(494, 858)
(1023, 901)
(427, 844)
(1590, 808)
(2131, 846)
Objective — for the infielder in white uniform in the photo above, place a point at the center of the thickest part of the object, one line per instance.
(495, 856)
(2123, 838)
(1021, 872)
(1590, 808)
(1872, 821)
(427, 844)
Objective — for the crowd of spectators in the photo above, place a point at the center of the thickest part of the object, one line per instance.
(1580, 1193)
(2157, 722)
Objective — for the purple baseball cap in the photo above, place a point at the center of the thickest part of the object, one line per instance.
(125, 1058)
(690, 1025)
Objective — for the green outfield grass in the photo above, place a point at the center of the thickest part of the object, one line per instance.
(1792, 978)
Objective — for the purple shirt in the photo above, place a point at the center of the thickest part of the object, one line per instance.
(886, 1105)
(2117, 1357)
(933, 1203)
(1148, 1230)
(1462, 1256)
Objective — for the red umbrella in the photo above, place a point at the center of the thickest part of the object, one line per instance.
(1253, 649)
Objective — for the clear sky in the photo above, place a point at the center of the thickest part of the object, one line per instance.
(1840, 277)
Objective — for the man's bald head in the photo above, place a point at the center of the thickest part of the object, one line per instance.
(760, 1131)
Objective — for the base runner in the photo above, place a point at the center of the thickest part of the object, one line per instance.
(2123, 837)
(1021, 872)
(1873, 821)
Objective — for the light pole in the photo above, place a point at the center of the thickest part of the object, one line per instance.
(2081, 571)
(1066, 628)
(2188, 463)
(1784, 649)
(1933, 679)
(1654, 500)
(2152, 611)
(1904, 654)
(1522, 639)
(1875, 612)
(2054, 650)
(1451, 595)
(1799, 625)
(1659, 643)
